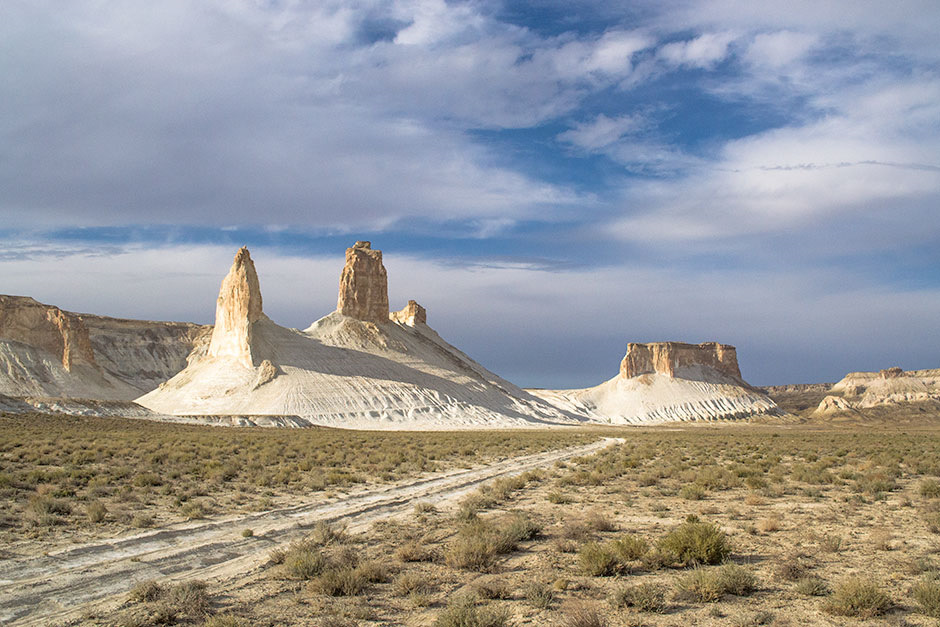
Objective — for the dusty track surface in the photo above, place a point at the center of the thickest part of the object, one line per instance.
(61, 586)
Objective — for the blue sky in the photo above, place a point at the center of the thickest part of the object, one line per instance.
(551, 180)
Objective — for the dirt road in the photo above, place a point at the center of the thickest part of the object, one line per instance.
(62, 586)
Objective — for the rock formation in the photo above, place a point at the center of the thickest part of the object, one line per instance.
(891, 373)
(237, 309)
(46, 327)
(46, 352)
(670, 357)
(354, 368)
(668, 382)
(363, 285)
(412, 314)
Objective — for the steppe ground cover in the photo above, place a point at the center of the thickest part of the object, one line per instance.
(788, 526)
(65, 479)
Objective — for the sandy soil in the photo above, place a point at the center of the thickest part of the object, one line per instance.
(67, 584)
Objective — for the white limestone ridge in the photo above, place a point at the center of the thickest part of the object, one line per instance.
(668, 382)
(365, 370)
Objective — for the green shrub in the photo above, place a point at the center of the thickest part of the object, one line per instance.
(927, 594)
(630, 547)
(302, 560)
(692, 492)
(598, 560)
(695, 542)
(644, 597)
(859, 597)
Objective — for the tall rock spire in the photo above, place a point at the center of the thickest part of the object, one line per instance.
(238, 308)
(363, 285)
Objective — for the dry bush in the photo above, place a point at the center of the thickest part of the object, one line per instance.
(463, 612)
(929, 488)
(146, 591)
(538, 594)
(644, 597)
(480, 542)
(96, 512)
(583, 615)
(407, 584)
(791, 568)
(599, 521)
(414, 551)
(707, 585)
(769, 524)
(692, 492)
(812, 586)
(927, 594)
(858, 597)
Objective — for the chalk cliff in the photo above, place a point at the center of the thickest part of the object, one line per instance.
(47, 352)
(357, 367)
(363, 285)
(237, 309)
(670, 358)
(667, 382)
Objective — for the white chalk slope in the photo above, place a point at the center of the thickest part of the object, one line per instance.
(695, 393)
(347, 373)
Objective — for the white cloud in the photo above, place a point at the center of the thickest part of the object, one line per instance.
(603, 131)
(787, 327)
(777, 50)
(703, 51)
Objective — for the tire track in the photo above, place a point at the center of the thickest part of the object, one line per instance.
(60, 586)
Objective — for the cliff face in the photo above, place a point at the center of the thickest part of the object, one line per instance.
(412, 314)
(237, 309)
(363, 285)
(46, 327)
(48, 352)
(669, 357)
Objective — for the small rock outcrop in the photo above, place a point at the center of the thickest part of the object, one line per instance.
(237, 309)
(60, 333)
(412, 314)
(891, 373)
(668, 357)
(363, 285)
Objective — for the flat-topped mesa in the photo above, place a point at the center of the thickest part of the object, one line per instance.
(668, 357)
(238, 307)
(363, 285)
(46, 327)
(412, 314)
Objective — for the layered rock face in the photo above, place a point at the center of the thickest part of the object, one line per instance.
(46, 352)
(412, 314)
(237, 309)
(363, 285)
(669, 357)
(46, 327)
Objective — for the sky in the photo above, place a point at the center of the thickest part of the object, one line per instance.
(551, 180)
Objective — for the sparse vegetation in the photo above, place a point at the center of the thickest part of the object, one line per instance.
(798, 507)
(858, 597)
